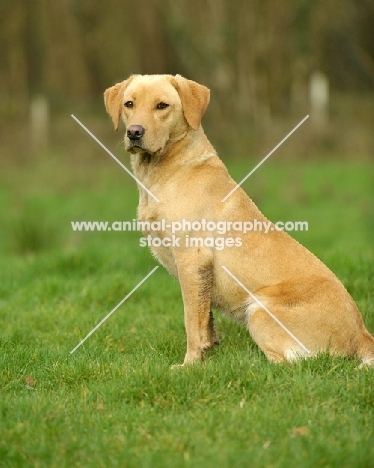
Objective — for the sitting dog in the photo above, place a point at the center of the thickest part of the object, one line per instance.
(292, 304)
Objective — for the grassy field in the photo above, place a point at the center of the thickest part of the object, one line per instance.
(116, 402)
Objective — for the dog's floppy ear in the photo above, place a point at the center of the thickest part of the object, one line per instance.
(195, 100)
(113, 100)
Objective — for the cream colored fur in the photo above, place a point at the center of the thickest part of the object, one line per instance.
(177, 163)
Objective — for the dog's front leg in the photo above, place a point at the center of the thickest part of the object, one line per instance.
(195, 274)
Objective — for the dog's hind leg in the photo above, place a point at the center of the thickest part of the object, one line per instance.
(366, 350)
(272, 339)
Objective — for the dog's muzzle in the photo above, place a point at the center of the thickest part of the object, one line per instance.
(135, 132)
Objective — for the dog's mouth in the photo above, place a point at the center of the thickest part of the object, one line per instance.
(137, 147)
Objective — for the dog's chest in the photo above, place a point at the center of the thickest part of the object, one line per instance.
(158, 235)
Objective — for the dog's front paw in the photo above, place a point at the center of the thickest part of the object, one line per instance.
(189, 361)
(190, 358)
(176, 366)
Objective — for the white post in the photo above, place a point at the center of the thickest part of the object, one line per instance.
(39, 122)
(319, 98)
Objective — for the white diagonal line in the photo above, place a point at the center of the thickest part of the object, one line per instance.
(267, 310)
(265, 158)
(112, 311)
(117, 160)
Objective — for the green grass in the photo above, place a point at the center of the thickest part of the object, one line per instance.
(115, 402)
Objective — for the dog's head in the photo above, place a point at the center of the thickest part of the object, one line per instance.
(156, 110)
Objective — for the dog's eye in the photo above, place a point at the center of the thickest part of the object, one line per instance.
(129, 104)
(162, 105)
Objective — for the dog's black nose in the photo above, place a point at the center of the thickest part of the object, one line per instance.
(135, 132)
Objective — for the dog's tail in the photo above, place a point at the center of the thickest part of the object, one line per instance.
(366, 349)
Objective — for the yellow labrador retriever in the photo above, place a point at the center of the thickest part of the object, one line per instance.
(292, 304)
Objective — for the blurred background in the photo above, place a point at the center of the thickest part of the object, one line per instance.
(268, 63)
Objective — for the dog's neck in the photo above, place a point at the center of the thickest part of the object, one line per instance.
(191, 150)
(145, 158)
